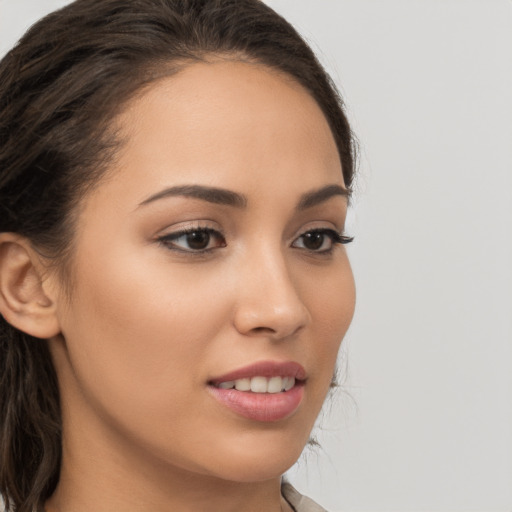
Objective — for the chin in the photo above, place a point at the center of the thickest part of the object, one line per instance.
(250, 470)
(260, 459)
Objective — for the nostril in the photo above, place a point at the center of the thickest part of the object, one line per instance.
(263, 330)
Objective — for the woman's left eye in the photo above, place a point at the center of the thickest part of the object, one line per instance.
(194, 240)
(320, 240)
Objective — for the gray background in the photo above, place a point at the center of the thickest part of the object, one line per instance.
(424, 420)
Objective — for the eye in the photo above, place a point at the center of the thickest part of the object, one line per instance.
(320, 240)
(195, 240)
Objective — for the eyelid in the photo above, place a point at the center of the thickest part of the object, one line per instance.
(333, 225)
(187, 226)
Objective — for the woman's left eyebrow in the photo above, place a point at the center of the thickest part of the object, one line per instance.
(316, 197)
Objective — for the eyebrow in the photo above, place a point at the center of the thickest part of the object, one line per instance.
(210, 194)
(316, 197)
(229, 198)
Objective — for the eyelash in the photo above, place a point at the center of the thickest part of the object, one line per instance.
(335, 237)
(169, 240)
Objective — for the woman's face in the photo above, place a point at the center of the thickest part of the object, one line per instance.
(209, 257)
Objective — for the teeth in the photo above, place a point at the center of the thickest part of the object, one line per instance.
(243, 384)
(227, 385)
(288, 383)
(275, 385)
(260, 384)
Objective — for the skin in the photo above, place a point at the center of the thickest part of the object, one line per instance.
(149, 324)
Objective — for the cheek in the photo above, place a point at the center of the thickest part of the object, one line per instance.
(138, 330)
(331, 302)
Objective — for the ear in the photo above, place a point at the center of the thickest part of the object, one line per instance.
(24, 303)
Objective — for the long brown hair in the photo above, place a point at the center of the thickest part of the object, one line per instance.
(60, 87)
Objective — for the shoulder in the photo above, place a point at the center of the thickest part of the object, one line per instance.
(299, 502)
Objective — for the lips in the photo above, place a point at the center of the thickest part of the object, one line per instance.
(264, 369)
(265, 391)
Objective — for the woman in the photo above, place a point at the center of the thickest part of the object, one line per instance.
(173, 283)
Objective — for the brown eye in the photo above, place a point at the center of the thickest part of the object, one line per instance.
(196, 240)
(320, 241)
(313, 240)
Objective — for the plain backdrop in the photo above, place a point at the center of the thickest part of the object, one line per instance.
(424, 418)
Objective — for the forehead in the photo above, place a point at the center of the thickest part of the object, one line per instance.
(228, 115)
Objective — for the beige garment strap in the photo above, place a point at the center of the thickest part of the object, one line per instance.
(297, 501)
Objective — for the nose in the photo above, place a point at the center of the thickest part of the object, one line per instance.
(268, 300)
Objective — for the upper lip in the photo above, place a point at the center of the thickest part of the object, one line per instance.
(264, 369)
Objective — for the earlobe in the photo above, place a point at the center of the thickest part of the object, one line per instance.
(23, 301)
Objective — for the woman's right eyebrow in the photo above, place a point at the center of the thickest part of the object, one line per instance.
(210, 194)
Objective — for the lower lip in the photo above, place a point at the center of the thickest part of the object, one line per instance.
(264, 407)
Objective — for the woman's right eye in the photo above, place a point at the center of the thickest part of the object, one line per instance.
(194, 240)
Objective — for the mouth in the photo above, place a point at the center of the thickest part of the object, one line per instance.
(266, 391)
(260, 384)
